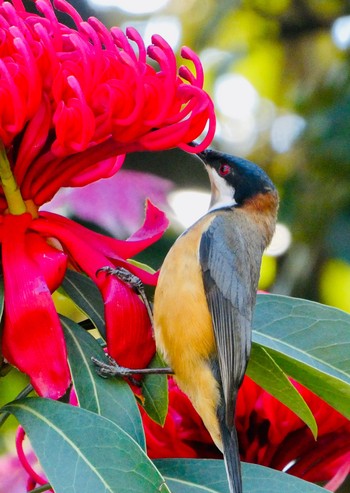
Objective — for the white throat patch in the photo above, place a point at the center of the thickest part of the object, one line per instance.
(222, 194)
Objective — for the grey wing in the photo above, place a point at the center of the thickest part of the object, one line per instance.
(230, 271)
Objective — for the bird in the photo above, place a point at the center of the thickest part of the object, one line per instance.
(206, 292)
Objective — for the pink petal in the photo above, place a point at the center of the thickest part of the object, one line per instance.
(119, 213)
(340, 476)
(32, 340)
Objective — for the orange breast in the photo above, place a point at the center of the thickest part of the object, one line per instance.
(183, 326)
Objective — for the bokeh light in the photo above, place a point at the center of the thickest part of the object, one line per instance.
(235, 96)
(280, 242)
(167, 26)
(268, 272)
(335, 284)
(188, 206)
(341, 32)
(285, 130)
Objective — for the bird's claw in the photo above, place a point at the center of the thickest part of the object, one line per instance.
(112, 369)
(126, 276)
(133, 282)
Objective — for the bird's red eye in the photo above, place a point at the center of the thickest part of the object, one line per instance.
(224, 169)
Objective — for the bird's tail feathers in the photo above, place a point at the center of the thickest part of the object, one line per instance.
(232, 460)
(231, 454)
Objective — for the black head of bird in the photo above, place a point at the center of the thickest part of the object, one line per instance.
(235, 178)
(206, 294)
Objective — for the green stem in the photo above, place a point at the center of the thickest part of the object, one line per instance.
(5, 414)
(15, 202)
(40, 489)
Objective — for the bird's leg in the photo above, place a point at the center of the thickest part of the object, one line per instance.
(112, 369)
(134, 282)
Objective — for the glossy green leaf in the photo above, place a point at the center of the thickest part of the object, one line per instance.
(141, 265)
(85, 294)
(264, 370)
(109, 397)
(310, 342)
(82, 451)
(155, 392)
(206, 475)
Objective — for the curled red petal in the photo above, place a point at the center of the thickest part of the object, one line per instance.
(93, 173)
(153, 228)
(22, 456)
(154, 225)
(32, 339)
(189, 54)
(135, 36)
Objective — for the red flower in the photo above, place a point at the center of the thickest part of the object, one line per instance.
(272, 435)
(269, 434)
(183, 433)
(32, 337)
(73, 102)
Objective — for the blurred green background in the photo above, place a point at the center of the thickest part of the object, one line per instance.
(278, 72)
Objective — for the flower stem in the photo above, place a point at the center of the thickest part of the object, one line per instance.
(26, 391)
(15, 202)
(41, 489)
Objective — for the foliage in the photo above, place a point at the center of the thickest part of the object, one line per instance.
(113, 439)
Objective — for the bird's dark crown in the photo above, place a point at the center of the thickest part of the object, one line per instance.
(245, 177)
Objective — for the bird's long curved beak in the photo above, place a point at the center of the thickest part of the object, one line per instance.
(202, 155)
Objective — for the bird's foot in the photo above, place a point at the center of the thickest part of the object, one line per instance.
(112, 369)
(126, 276)
(134, 282)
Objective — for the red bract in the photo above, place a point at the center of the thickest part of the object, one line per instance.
(272, 435)
(269, 434)
(73, 102)
(183, 433)
(32, 337)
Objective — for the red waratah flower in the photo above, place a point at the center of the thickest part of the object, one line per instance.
(73, 102)
(269, 434)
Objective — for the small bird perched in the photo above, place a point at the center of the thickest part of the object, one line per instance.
(206, 293)
(205, 296)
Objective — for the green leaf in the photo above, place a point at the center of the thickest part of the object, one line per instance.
(141, 265)
(85, 294)
(264, 370)
(310, 342)
(82, 451)
(207, 475)
(155, 392)
(109, 397)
